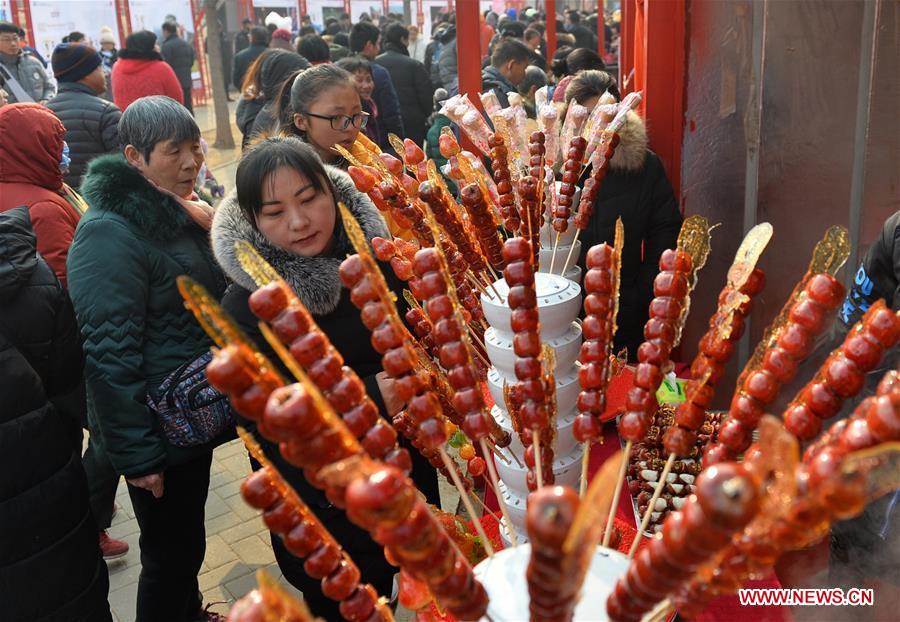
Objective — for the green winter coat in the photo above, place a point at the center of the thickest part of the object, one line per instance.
(130, 246)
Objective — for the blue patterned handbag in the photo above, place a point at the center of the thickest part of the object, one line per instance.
(191, 412)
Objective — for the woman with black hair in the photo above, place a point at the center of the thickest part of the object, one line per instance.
(321, 106)
(275, 70)
(636, 190)
(286, 207)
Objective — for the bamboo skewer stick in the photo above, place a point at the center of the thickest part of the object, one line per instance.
(656, 493)
(495, 484)
(538, 471)
(464, 495)
(585, 459)
(571, 250)
(553, 256)
(620, 481)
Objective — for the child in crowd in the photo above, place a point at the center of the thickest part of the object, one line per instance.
(361, 70)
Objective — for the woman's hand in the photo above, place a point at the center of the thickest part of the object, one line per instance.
(388, 387)
(152, 482)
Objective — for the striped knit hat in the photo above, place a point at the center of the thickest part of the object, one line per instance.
(73, 61)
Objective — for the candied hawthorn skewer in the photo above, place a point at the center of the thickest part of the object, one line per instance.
(744, 282)
(369, 293)
(503, 178)
(828, 488)
(529, 366)
(563, 207)
(726, 500)
(454, 348)
(788, 340)
(843, 373)
(483, 220)
(270, 601)
(387, 504)
(305, 536)
(550, 515)
(668, 312)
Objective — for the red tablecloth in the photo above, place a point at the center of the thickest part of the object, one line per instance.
(723, 609)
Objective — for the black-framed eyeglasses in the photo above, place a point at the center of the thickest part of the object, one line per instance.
(341, 122)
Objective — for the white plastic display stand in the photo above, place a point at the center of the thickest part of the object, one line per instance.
(503, 576)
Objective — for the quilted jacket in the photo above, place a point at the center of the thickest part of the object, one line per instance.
(50, 565)
(129, 248)
(92, 126)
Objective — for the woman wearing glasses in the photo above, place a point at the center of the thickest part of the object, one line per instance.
(322, 107)
(286, 207)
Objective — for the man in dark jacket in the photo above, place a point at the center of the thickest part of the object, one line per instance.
(364, 41)
(23, 67)
(242, 39)
(91, 122)
(180, 56)
(50, 568)
(259, 43)
(507, 69)
(410, 80)
(584, 38)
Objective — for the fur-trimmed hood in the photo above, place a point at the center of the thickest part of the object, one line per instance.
(633, 141)
(112, 184)
(314, 279)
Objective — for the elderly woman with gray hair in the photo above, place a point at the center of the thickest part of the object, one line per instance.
(144, 228)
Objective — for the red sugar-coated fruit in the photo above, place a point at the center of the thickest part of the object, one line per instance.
(268, 301)
(761, 386)
(690, 416)
(654, 351)
(592, 351)
(598, 281)
(716, 348)
(656, 328)
(675, 260)
(291, 323)
(746, 409)
(534, 415)
(476, 467)
(801, 422)
(258, 490)
(360, 604)
(796, 341)
(715, 454)
(361, 417)
(884, 325)
(433, 433)
(363, 179)
(633, 426)
(755, 283)
(781, 365)
(462, 377)
(591, 376)
(598, 304)
(678, 440)
(600, 256)
(476, 426)
(526, 368)
(809, 314)
(453, 354)
(863, 349)
(323, 561)
(844, 378)
(302, 540)
(647, 376)
(826, 290)
(516, 249)
(523, 320)
(735, 436)
(856, 436)
(227, 371)
(821, 400)
(468, 400)
(672, 284)
(665, 307)
(728, 495)
(704, 364)
(522, 296)
(587, 428)
(518, 273)
(252, 402)
(639, 400)
(527, 344)
(342, 581)
(364, 291)
(326, 371)
(883, 419)
(446, 331)
(280, 518)
(593, 402)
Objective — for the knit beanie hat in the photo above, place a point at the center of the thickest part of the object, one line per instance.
(106, 35)
(73, 61)
(281, 33)
(140, 41)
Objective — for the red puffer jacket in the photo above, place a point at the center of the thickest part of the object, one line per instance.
(30, 176)
(133, 78)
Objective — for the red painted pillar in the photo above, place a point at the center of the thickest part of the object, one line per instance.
(301, 8)
(347, 7)
(662, 78)
(420, 17)
(550, 10)
(245, 10)
(123, 13)
(626, 46)
(601, 29)
(385, 7)
(468, 57)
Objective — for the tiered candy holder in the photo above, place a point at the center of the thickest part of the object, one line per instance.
(559, 302)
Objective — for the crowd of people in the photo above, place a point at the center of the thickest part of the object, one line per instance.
(100, 213)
